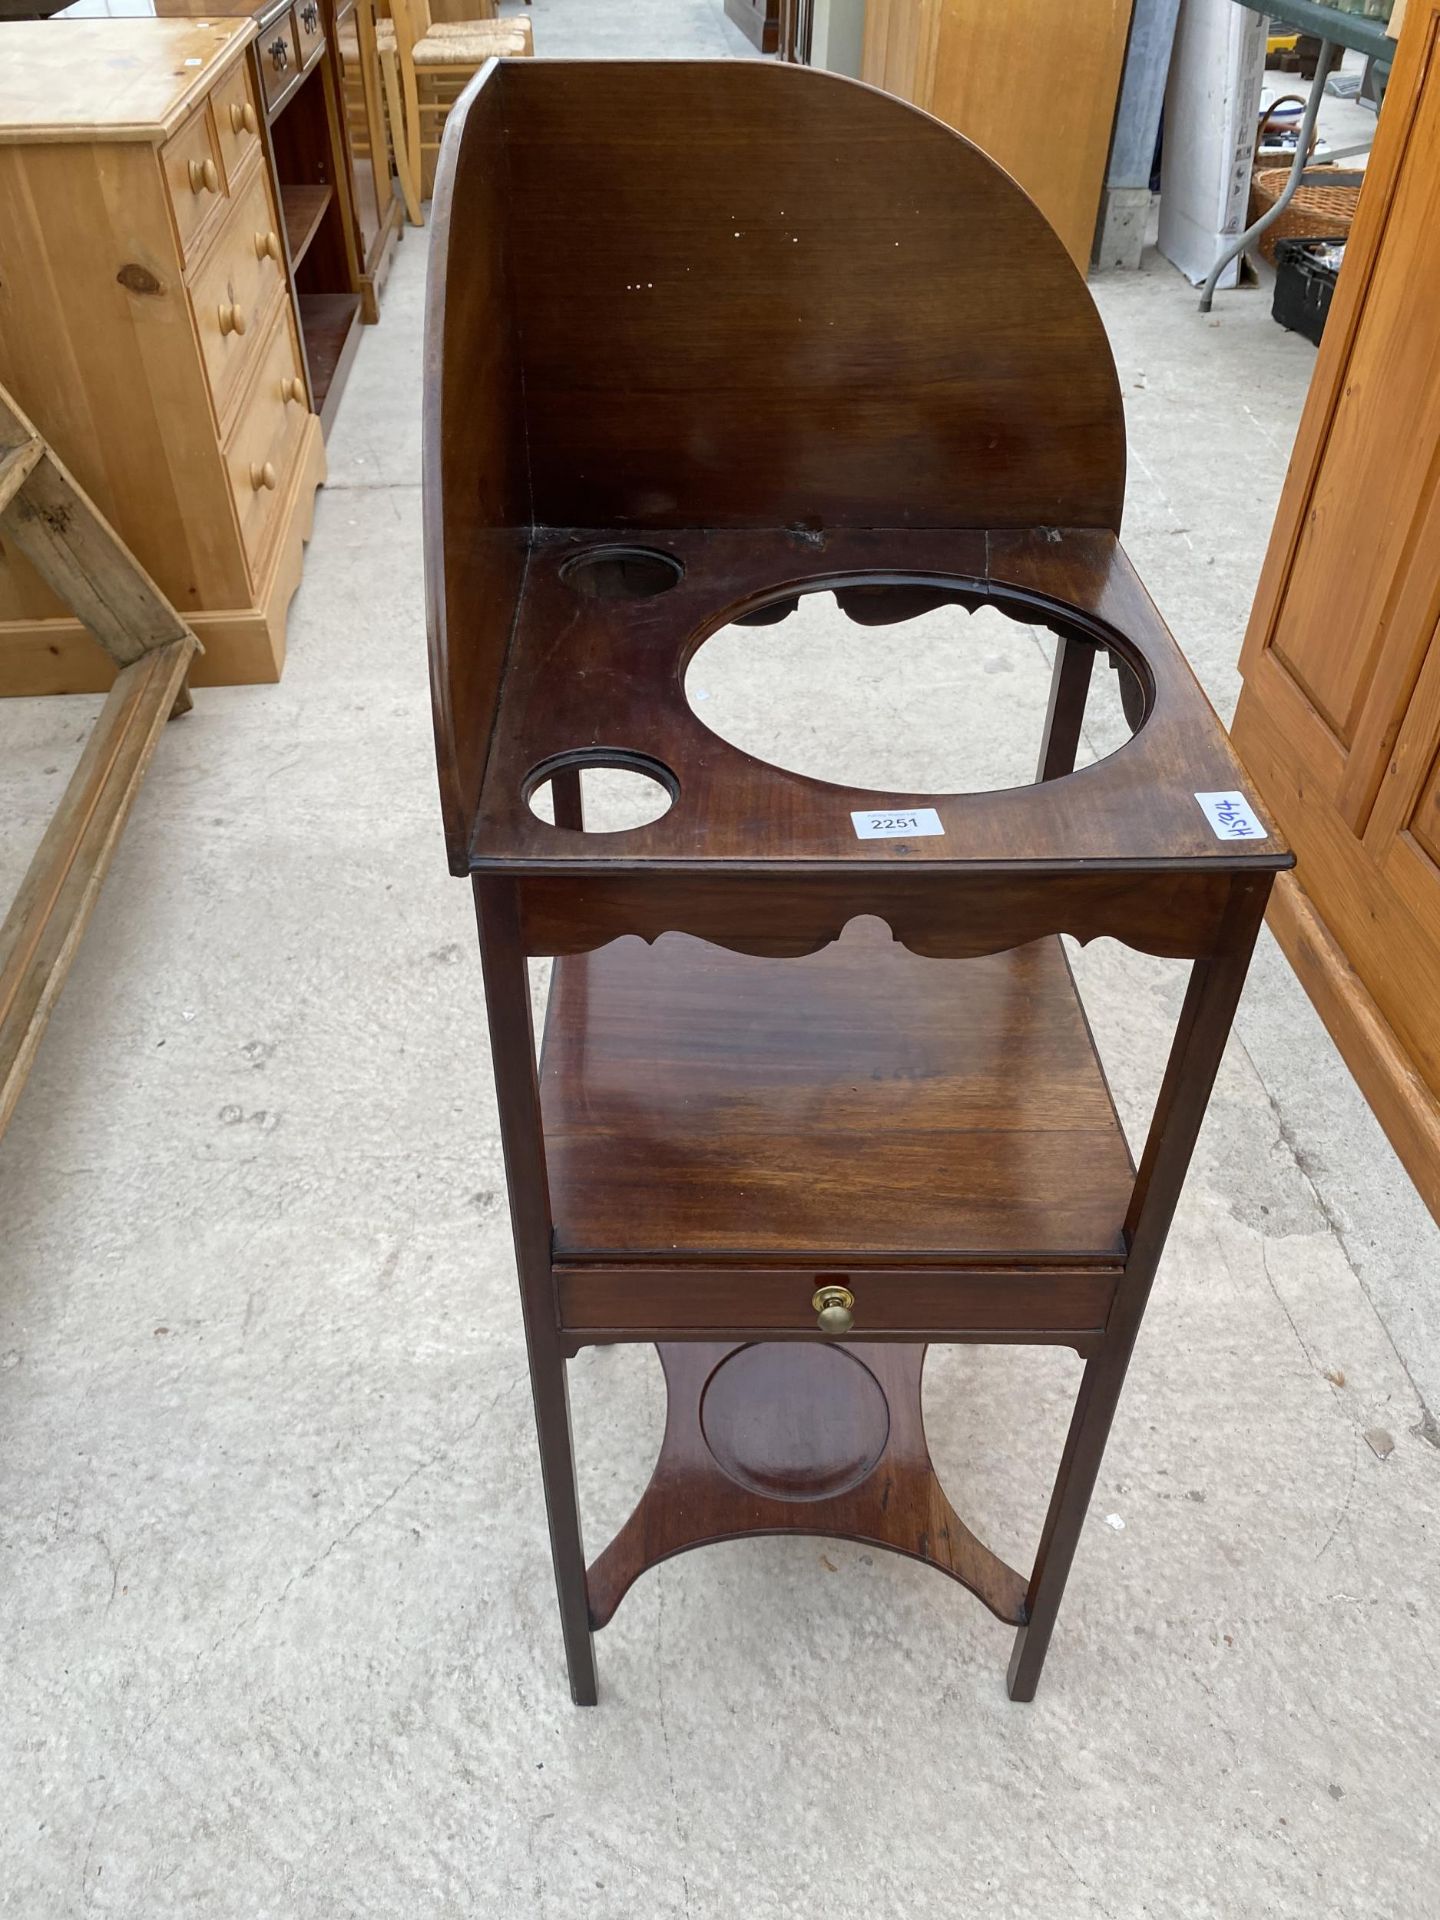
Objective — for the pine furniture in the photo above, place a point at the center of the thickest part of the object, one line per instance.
(315, 184)
(1339, 719)
(74, 549)
(332, 133)
(1033, 83)
(147, 315)
(704, 338)
(340, 219)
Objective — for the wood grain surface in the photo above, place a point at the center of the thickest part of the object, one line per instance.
(988, 60)
(859, 1104)
(136, 80)
(47, 918)
(818, 1440)
(819, 308)
(583, 674)
(1059, 1304)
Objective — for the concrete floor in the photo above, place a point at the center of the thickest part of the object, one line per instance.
(275, 1601)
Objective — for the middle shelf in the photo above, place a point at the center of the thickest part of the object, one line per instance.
(304, 209)
(856, 1106)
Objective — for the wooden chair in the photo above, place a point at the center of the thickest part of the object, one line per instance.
(442, 12)
(425, 65)
(704, 337)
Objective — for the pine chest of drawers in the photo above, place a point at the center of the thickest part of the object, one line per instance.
(147, 326)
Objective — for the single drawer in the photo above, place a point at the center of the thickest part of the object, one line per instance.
(237, 120)
(195, 177)
(641, 1300)
(263, 440)
(279, 57)
(309, 30)
(233, 290)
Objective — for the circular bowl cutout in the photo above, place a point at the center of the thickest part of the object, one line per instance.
(795, 1421)
(621, 573)
(616, 791)
(950, 700)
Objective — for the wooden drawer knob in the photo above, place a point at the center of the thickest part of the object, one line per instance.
(204, 177)
(834, 1309)
(262, 478)
(242, 117)
(293, 389)
(232, 318)
(267, 246)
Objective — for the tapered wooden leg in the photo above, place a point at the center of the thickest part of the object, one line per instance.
(551, 1392)
(1069, 1501)
(1195, 1053)
(512, 1046)
(1069, 686)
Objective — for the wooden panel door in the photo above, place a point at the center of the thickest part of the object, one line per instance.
(899, 50)
(1340, 716)
(1034, 84)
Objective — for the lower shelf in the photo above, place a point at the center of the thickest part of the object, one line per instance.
(812, 1439)
(856, 1106)
(330, 323)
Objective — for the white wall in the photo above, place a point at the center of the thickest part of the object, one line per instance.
(838, 36)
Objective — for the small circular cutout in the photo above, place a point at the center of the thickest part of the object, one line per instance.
(601, 790)
(621, 573)
(795, 1422)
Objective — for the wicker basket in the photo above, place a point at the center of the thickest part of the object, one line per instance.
(1323, 207)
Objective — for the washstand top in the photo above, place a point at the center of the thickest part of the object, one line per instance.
(705, 336)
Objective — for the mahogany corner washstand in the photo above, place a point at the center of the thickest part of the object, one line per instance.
(703, 338)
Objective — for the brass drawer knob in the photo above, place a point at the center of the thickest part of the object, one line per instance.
(242, 117)
(204, 176)
(293, 389)
(267, 246)
(834, 1309)
(262, 478)
(232, 318)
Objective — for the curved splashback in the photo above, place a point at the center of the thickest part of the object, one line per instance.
(731, 295)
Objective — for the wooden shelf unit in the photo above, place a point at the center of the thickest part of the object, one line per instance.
(297, 85)
(315, 186)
